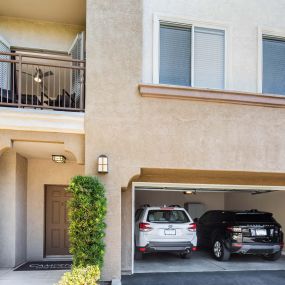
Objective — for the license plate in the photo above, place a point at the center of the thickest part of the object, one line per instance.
(170, 232)
(261, 232)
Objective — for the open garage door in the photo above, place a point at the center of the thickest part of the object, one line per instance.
(197, 199)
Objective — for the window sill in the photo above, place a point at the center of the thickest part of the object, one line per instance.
(211, 95)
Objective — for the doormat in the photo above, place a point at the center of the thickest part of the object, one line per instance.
(44, 265)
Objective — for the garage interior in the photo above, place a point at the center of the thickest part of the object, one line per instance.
(197, 200)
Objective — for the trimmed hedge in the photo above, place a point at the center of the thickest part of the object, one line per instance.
(88, 275)
(87, 211)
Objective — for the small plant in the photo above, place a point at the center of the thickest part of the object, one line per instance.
(87, 211)
(88, 275)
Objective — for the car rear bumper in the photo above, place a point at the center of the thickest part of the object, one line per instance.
(255, 248)
(169, 246)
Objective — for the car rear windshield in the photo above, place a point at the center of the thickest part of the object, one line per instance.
(254, 218)
(167, 216)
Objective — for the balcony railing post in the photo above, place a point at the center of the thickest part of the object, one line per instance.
(20, 81)
(82, 89)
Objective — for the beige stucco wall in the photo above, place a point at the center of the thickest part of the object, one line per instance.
(140, 132)
(7, 207)
(21, 209)
(113, 71)
(13, 173)
(38, 34)
(41, 173)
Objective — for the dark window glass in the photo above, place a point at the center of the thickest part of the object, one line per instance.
(138, 214)
(254, 217)
(205, 218)
(167, 216)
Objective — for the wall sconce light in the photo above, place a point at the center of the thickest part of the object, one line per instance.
(103, 164)
(58, 158)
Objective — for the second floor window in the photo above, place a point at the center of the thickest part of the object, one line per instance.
(192, 56)
(273, 66)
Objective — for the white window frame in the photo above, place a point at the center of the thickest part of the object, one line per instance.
(261, 32)
(159, 18)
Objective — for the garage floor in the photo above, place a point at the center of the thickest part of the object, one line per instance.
(202, 262)
(265, 277)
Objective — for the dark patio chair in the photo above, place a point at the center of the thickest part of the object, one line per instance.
(63, 100)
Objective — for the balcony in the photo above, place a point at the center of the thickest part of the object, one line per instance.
(42, 82)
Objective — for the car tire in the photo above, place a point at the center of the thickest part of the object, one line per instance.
(273, 257)
(186, 255)
(219, 250)
(138, 255)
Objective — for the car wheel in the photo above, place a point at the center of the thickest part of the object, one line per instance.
(186, 255)
(138, 255)
(220, 252)
(273, 257)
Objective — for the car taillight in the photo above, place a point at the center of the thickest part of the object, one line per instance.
(145, 227)
(282, 245)
(192, 227)
(234, 229)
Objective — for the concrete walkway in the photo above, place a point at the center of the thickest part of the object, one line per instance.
(10, 277)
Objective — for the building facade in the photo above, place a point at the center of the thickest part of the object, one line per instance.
(175, 93)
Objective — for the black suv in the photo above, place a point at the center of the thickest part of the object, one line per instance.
(244, 232)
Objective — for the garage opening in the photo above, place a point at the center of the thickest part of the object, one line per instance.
(196, 200)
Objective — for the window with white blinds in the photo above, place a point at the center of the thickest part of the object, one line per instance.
(209, 58)
(273, 66)
(202, 65)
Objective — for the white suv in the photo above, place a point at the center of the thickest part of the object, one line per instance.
(164, 229)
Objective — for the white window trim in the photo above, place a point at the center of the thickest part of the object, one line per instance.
(157, 18)
(263, 31)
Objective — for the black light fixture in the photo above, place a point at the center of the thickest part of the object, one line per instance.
(38, 76)
(103, 164)
(58, 158)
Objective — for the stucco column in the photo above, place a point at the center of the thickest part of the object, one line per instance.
(13, 215)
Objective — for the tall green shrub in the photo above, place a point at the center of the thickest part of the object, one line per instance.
(87, 211)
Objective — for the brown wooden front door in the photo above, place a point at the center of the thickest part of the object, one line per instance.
(56, 221)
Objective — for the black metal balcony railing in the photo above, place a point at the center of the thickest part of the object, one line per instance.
(41, 82)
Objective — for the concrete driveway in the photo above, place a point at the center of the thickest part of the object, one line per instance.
(201, 261)
(208, 278)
